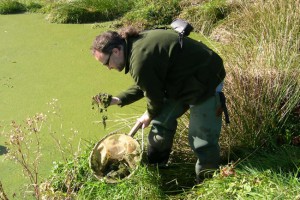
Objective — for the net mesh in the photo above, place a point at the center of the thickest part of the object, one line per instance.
(115, 157)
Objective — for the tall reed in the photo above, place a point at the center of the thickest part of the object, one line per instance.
(263, 80)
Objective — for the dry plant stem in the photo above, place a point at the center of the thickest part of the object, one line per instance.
(3, 196)
(58, 143)
(31, 169)
(68, 149)
(22, 141)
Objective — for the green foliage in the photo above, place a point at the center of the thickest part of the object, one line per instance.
(20, 6)
(144, 184)
(205, 16)
(72, 13)
(33, 7)
(75, 178)
(112, 9)
(261, 174)
(72, 174)
(250, 184)
(150, 13)
(263, 73)
(87, 11)
(11, 7)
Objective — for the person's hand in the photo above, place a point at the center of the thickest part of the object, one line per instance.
(145, 120)
(115, 101)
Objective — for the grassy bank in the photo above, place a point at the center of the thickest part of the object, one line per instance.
(259, 41)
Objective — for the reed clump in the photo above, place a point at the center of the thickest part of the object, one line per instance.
(263, 84)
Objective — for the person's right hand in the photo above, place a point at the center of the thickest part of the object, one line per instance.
(115, 101)
(145, 120)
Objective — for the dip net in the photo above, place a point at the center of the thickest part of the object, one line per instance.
(115, 157)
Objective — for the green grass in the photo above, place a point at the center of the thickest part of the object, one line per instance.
(263, 73)
(144, 184)
(205, 16)
(74, 178)
(148, 14)
(260, 174)
(249, 184)
(87, 11)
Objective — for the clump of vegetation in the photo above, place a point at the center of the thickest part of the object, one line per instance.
(33, 7)
(149, 14)
(20, 6)
(110, 9)
(263, 74)
(83, 11)
(11, 7)
(68, 176)
(206, 15)
(71, 13)
(102, 101)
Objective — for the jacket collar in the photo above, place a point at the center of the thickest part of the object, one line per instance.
(126, 50)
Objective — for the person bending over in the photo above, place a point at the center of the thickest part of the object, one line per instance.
(173, 79)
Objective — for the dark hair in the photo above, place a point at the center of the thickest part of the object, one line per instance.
(112, 39)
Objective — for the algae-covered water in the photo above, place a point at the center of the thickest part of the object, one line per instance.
(39, 62)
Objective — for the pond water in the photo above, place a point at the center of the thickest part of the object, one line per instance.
(39, 62)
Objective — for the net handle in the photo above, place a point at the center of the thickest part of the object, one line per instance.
(135, 128)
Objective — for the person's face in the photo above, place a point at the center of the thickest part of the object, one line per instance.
(113, 60)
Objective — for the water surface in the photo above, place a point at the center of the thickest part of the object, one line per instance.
(40, 61)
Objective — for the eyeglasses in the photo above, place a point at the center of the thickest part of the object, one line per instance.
(108, 59)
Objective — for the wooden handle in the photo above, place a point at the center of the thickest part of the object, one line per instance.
(135, 128)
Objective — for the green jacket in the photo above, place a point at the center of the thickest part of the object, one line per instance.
(162, 69)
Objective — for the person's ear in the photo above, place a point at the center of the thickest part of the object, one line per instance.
(115, 50)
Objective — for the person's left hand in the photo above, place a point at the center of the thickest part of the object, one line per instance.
(145, 120)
